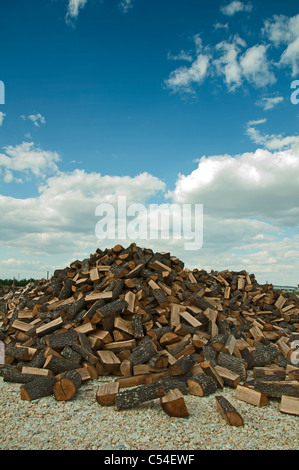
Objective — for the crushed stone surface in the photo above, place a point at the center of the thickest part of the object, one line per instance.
(83, 424)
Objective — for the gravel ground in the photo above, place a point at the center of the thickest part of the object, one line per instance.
(83, 424)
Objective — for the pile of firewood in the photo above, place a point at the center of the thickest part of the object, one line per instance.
(162, 330)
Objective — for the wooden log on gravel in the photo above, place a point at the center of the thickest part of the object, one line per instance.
(67, 385)
(251, 396)
(278, 388)
(228, 412)
(106, 393)
(289, 405)
(143, 393)
(14, 376)
(38, 388)
(173, 404)
(201, 385)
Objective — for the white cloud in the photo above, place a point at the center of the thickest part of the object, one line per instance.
(255, 66)
(228, 63)
(2, 116)
(183, 79)
(229, 59)
(269, 102)
(37, 119)
(271, 141)
(126, 5)
(284, 30)
(74, 6)
(29, 159)
(182, 55)
(234, 7)
(259, 185)
(221, 26)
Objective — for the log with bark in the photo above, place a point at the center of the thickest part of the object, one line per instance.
(228, 412)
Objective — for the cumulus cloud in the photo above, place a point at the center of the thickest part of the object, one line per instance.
(282, 30)
(28, 159)
(183, 79)
(260, 184)
(234, 7)
(271, 141)
(227, 64)
(255, 66)
(229, 59)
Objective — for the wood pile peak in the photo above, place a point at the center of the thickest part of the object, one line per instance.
(160, 329)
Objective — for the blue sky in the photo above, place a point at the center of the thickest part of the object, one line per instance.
(183, 101)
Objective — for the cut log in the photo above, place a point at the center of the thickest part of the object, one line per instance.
(36, 371)
(228, 412)
(49, 327)
(58, 364)
(235, 364)
(229, 378)
(112, 308)
(137, 325)
(212, 372)
(38, 388)
(143, 393)
(278, 388)
(143, 353)
(289, 405)
(201, 385)
(106, 393)
(173, 404)
(109, 361)
(61, 340)
(182, 365)
(265, 355)
(251, 396)
(67, 386)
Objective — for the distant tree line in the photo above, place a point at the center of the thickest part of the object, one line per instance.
(17, 283)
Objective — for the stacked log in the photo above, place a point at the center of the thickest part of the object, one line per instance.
(156, 326)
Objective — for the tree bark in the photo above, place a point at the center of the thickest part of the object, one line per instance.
(38, 388)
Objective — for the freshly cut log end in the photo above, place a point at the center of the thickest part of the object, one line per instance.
(173, 404)
(228, 412)
(106, 393)
(38, 388)
(251, 396)
(289, 405)
(67, 386)
(201, 385)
